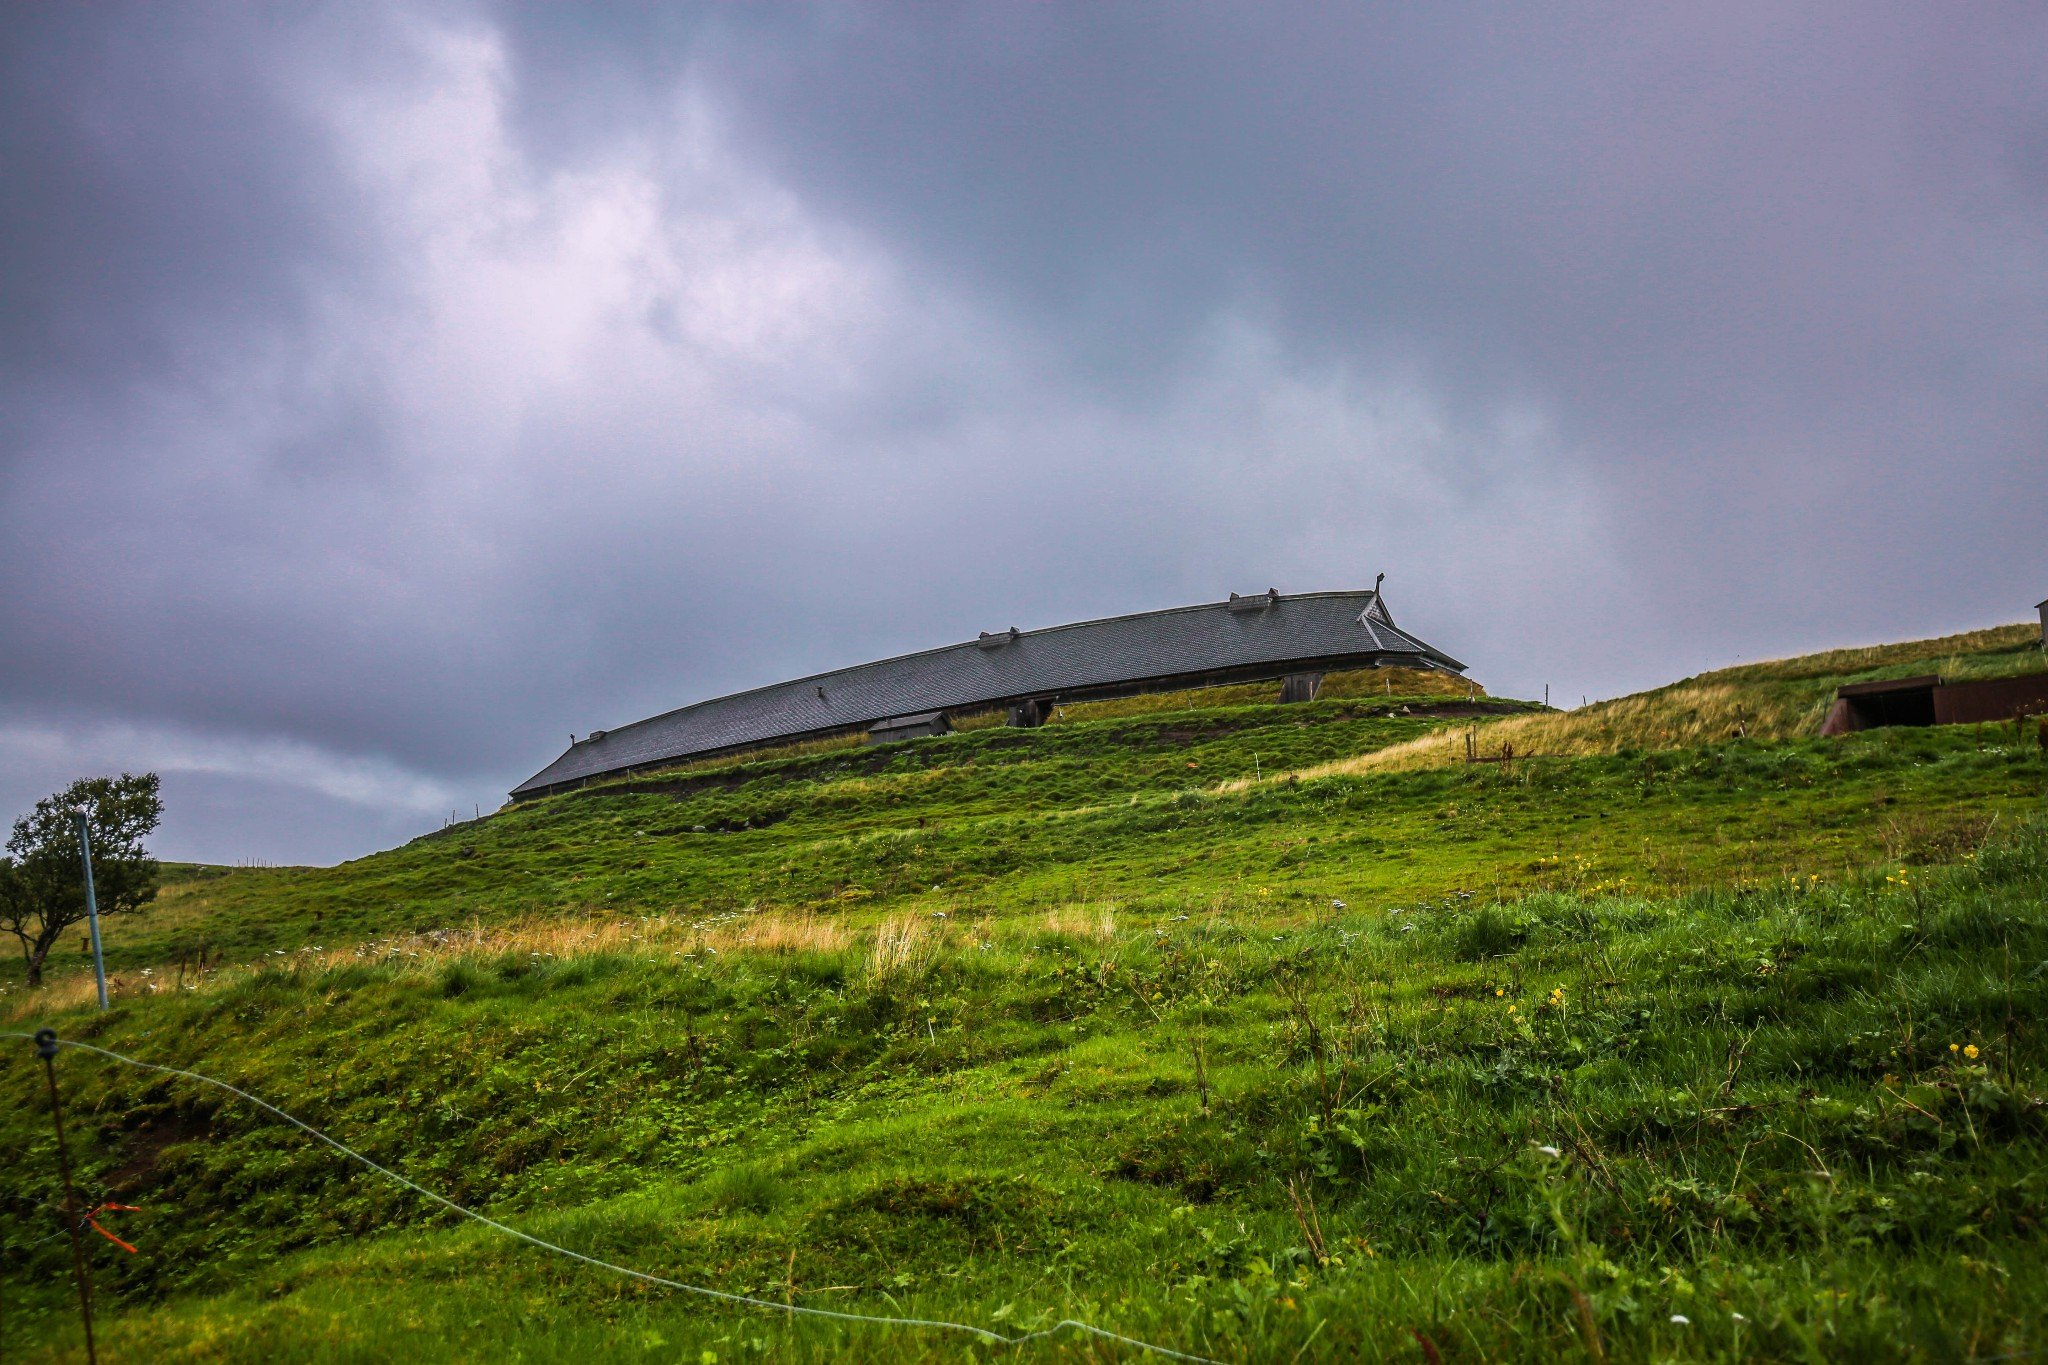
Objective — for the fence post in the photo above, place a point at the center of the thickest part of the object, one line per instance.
(92, 904)
(46, 1048)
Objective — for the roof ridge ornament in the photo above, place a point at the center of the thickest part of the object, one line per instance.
(1258, 602)
(1377, 608)
(996, 639)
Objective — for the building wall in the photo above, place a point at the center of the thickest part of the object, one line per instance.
(1991, 699)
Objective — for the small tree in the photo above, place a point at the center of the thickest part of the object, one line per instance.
(42, 883)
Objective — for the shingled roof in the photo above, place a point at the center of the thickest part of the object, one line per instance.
(1242, 639)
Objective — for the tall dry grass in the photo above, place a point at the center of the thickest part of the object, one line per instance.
(903, 946)
(1096, 923)
(1778, 699)
(899, 947)
(659, 937)
(1679, 717)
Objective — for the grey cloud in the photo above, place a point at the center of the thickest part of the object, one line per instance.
(157, 190)
(1772, 272)
(399, 388)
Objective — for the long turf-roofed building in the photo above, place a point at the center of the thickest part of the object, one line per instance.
(1293, 638)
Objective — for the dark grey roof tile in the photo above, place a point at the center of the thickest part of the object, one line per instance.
(1312, 630)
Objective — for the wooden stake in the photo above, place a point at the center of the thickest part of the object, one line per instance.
(46, 1046)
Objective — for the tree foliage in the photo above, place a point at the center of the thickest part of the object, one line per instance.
(42, 886)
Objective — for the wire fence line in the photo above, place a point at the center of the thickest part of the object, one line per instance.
(985, 1334)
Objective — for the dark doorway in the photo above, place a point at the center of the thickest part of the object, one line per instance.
(1866, 706)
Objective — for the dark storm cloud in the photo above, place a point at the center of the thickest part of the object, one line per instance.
(156, 190)
(1752, 259)
(390, 390)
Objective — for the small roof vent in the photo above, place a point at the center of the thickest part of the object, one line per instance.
(594, 736)
(1269, 598)
(997, 639)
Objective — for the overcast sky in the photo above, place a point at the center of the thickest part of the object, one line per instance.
(388, 391)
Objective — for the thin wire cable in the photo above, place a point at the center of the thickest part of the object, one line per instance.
(984, 1333)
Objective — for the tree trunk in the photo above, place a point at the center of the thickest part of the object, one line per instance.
(36, 952)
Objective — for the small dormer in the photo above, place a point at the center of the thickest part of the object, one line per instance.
(1258, 602)
(996, 639)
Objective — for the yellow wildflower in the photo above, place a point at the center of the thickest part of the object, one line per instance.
(1971, 1052)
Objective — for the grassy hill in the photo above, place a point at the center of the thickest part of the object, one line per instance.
(1260, 1032)
(1784, 699)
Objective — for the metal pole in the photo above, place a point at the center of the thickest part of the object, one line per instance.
(46, 1046)
(92, 905)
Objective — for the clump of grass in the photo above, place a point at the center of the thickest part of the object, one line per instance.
(1491, 931)
(791, 933)
(1095, 923)
(746, 1188)
(903, 948)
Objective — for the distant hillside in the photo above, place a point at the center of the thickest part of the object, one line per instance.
(1782, 699)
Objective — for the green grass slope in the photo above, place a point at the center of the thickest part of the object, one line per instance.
(1778, 699)
(1716, 1050)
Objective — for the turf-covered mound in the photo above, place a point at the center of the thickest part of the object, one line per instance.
(1715, 1050)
